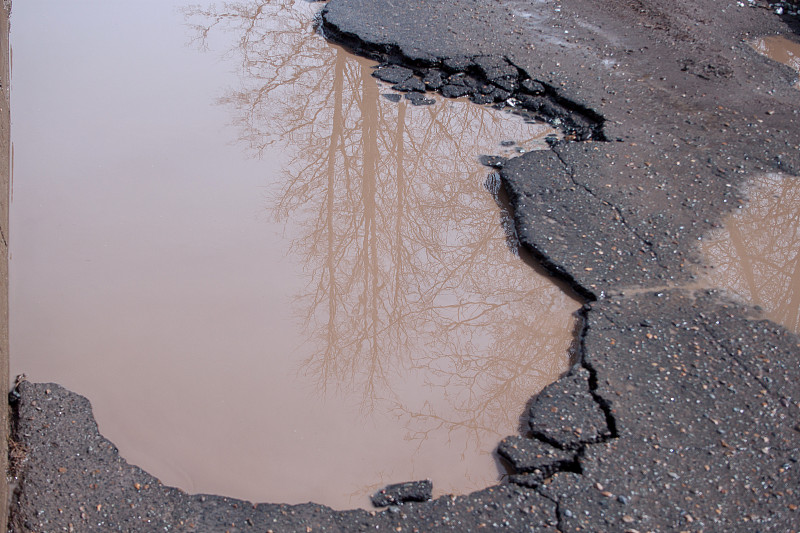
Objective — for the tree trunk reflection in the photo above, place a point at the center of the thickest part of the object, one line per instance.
(414, 301)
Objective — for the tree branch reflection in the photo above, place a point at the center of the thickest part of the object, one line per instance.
(757, 253)
(414, 301)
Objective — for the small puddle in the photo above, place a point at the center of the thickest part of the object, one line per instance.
(782, 50)
(271, 282)
(756, 254)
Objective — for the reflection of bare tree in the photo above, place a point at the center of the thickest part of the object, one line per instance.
(413, 295)
(757, 254)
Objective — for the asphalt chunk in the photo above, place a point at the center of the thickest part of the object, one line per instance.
(393, 74)
(410, 491)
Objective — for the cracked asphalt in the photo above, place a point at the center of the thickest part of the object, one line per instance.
(681, 413)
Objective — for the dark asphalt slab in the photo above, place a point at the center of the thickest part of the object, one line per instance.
(688, 108)
(682, 413)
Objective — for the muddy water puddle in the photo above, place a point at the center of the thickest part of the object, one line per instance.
(756, 254)
(782, 50)
(271, 282)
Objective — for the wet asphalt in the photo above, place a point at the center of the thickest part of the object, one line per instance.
(682, 412)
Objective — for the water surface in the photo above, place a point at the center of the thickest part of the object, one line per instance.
(272, 282)
(756, 254)
(781, 50)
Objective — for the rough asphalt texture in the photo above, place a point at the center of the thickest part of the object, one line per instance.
(682, 413)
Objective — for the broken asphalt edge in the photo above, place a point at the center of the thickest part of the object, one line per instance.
(544, 102)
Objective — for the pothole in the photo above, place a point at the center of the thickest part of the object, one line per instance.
(308, 306)
(756, 253)
(782, 50)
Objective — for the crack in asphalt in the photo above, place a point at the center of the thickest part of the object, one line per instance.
(394, 56)
(557, 503)
(605, 407)
(554, 268)
(617, 210)
(574, 464)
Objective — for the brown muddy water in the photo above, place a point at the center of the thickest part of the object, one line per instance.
(781, 50)
(272, 282)
(756, 254)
